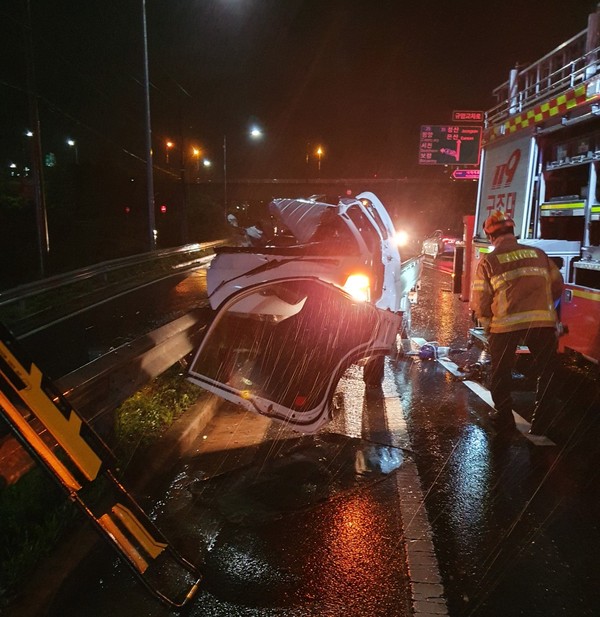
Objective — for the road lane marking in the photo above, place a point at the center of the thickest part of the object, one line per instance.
(484, 394)
(426, 585)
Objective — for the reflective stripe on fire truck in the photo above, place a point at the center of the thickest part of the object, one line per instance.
(580, 293)
(554, 107)
(575, 208)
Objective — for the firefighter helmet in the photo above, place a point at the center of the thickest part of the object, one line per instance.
(495, 221)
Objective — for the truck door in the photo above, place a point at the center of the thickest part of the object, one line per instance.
(391, 289)
(279, 348)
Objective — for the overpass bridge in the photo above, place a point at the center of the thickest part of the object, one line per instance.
(437, 198)
(399, 191)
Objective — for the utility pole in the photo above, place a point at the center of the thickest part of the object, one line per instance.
(184, 187)
(36, 152)
(149, 171)
(225, 174)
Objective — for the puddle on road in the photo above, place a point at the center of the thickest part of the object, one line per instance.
(289, 475)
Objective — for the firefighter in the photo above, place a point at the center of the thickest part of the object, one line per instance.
(514, 294)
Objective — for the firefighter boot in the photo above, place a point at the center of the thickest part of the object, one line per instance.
(502, 420)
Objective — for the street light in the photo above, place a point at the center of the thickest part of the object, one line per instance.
(319, 154)
(196, 152)
(73, 144)
(206, 164)
(169, 146)
(255, 132)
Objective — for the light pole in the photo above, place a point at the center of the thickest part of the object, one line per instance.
(206, 164)
(169, 145)
(36, 152)
(319, 155)
(255, 132)
(196, 152)
(73, 144)
(149, 172)
(225, 173)
(184, 188)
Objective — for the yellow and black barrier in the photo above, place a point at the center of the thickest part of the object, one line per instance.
(77, 462)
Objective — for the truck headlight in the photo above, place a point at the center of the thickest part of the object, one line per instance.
(357, 285)
(401, 238)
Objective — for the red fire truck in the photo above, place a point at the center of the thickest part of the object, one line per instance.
(540, 164)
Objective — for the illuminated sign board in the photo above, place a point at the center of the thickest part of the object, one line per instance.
(467, 116)
(449, 145)
(466, 174)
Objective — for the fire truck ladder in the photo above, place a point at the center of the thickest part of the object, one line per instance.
(82, 460)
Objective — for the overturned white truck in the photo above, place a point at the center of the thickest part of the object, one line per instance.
(328, 291)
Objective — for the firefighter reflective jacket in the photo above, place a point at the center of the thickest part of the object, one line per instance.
(515, 288)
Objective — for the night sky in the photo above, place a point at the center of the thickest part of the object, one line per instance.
(358, 77)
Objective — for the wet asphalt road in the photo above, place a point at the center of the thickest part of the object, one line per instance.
(325, 525)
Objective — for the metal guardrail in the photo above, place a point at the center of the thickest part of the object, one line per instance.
(34, 304)
(103, 384)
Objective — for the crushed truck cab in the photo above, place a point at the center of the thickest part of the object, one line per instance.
(290, 317)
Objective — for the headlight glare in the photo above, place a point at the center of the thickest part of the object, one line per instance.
(401, 238)
(357, 285)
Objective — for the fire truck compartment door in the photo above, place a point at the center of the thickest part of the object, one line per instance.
(279, 348)
(506, 182)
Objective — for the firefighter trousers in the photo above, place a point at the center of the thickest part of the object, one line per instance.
(542, 344)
